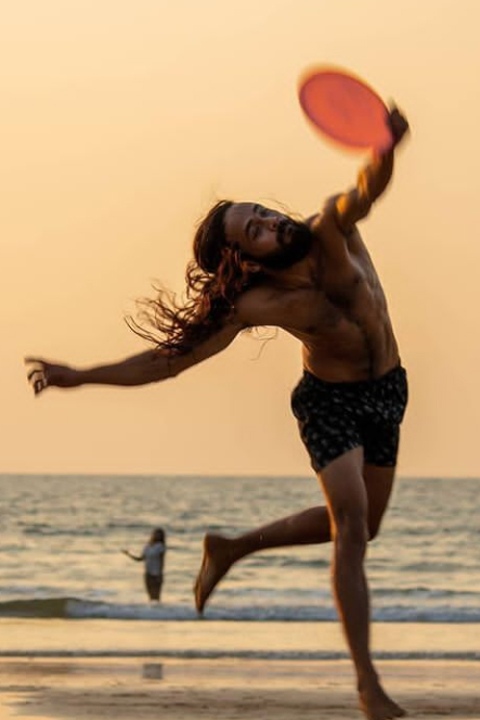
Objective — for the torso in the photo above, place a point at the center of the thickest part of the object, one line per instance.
(154, 555)
(334, 305)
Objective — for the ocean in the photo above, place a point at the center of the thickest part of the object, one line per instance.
(67, 589)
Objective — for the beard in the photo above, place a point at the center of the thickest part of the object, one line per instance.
(294, 240)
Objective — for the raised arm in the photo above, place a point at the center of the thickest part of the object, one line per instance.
(353, 206)
(147, 367)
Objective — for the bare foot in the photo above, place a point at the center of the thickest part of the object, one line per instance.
(376, 704)
(216, 561)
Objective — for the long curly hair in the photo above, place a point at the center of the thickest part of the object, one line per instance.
(214, 279)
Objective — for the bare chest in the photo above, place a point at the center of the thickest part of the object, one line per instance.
(342, 294)
(312, 312)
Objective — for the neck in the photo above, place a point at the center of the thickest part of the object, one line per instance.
(299, 275)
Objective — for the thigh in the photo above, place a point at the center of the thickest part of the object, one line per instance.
(344, 487)
(378, 484)
(355, 488)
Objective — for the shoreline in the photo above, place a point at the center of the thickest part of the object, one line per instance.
(204, 639)
(174, 689)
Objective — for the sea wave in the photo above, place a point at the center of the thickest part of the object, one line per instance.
(78, 608)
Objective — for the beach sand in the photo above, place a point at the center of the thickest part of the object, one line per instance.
(172, 689)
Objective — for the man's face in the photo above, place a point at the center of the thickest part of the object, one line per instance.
(268, 237)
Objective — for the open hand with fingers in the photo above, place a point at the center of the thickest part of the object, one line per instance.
(43, 374)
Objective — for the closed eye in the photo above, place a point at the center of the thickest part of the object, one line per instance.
(261, 212)
(252, 229)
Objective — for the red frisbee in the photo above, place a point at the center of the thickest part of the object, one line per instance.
(345, 109)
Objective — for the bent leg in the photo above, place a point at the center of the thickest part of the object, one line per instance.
(307, 527)
(347, 501)
(219, 553)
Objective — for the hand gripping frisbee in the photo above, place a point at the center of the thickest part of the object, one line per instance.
(345, 109)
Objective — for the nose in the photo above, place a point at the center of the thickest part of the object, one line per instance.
(271, 223)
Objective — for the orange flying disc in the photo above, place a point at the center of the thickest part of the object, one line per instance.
(345, 109)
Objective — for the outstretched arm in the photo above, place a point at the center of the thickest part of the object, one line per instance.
(147, 367)
(353, 206)
(137, 558)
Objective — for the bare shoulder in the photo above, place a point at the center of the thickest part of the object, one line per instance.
(259, 306)
(329, 232)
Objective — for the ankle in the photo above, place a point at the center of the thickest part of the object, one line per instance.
(367, 681)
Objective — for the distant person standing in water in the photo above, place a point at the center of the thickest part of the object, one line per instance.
(153, 555)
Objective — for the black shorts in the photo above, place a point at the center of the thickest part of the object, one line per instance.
(336, 417)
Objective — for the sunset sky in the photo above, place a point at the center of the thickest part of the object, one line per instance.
(124, 120)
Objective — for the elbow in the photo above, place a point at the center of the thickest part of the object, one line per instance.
(163, 367)
(158, 368)
(177, 364)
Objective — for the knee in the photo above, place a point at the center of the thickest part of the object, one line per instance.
(351, 530)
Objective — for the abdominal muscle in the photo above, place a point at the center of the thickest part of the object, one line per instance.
(351, 352)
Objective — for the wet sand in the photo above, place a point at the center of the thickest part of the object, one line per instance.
(172, 689)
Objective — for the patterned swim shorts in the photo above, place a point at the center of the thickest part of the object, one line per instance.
(336, 417)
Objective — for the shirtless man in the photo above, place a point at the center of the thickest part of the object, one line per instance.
(254, 266)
